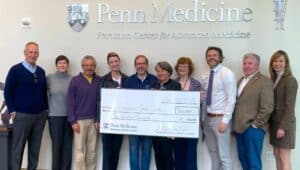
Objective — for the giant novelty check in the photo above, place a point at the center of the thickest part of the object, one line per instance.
(150, 112)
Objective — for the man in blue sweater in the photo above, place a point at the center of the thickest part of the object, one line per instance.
(25, 93)
(141, 80)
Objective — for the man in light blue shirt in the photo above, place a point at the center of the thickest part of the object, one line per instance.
(220, 86)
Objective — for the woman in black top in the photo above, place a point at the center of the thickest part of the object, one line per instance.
(164, 147)
(111, 142)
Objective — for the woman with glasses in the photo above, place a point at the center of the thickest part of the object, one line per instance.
(184, 69)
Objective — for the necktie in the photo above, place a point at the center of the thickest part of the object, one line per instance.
(209, 88)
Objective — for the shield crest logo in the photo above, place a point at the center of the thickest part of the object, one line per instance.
(77, 16)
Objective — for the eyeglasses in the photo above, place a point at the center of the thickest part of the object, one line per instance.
(35, 79)
(140, 64)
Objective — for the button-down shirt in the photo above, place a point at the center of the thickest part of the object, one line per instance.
(223, 93)
(29, 67)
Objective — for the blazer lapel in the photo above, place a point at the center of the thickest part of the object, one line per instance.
(253, 79)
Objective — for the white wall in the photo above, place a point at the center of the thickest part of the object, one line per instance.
(51, 30)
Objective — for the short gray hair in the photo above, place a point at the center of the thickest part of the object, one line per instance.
(88, 57)
(252, 55)
(165, 66)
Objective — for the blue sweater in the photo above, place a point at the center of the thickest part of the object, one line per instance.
(133, 82)
(82, 98)
(24, 91)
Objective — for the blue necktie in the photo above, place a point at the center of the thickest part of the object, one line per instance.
(209, 88)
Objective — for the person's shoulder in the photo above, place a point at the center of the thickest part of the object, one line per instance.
(194, 81)
(264, 79)
(123, 75)
(176, 83)
(151, 76)
(97, 76)
(50, 76)
(40, 68)
(226, 70)
(131, 77)
(290, 79)
(76, 77)
(16, 66)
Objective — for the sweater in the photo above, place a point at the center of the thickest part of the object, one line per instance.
(58, 84)
(133, 82)
(82, 98)
(24, 91)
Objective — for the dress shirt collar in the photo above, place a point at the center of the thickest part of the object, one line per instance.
(250, 76)
(217, 68)
(29, 67)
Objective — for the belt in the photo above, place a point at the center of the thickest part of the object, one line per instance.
(214, 115)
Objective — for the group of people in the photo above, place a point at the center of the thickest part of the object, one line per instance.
(249, 107)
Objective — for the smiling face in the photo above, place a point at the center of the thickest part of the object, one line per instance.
(162, 75)
(183, 70)
(62, 66)
(31, 53)
(279, 64)
(88, 67)
(250, 65)
(114, 64)
(141, 66)
(213, 58)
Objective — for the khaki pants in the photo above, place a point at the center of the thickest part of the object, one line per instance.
(218, 144)
(85, 146)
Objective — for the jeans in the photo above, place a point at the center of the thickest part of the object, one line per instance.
(250, 145)
(61, 135)
(111, 148)
(27, 128)
(138, 162)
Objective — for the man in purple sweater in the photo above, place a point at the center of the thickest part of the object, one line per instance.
(81, 106)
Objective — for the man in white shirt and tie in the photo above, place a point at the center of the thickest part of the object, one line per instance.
(220, 87)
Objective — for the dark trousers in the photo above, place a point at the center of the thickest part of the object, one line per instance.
(111, 149)
(61, 135)
(163, 150)
(191, 154)
(180, 153)
(27, 128)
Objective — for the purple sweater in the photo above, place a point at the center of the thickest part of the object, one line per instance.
(82, 98)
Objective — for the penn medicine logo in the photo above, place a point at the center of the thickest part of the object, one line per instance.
(78, 16)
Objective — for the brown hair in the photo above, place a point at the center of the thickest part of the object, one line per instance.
(60, 58)
(112, 54)
(218, 49)
(287, 69)
(141, 56)
(185, 60)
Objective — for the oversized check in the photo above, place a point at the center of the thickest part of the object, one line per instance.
(150, 112)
